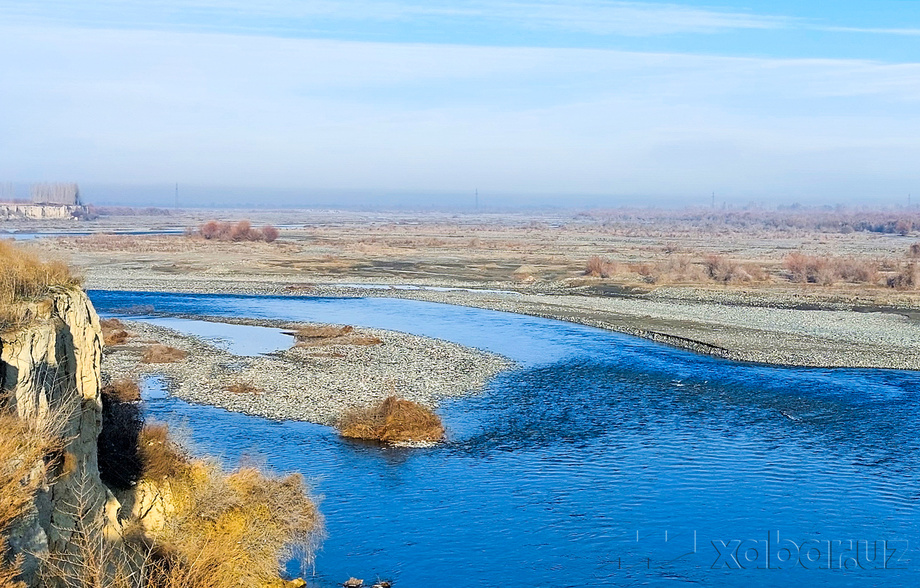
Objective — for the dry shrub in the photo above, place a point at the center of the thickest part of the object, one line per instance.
(23, 277)
(25, 450)
(914, 250)
(122, 391)
(906, 278)
(243, 388)
(809, 269)
(270, 233)
(240, 231)
(113, 332)
(163, 354)
(160, 456)
(829, 270)
(600, 268)
(722, 269)
(230, 529)
(393, 420)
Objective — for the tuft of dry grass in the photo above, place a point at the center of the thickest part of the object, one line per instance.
(243, 388)
(113, 332)
(163, 354)
(393, 420)
(23, 277)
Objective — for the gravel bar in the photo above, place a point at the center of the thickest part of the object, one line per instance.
(314, 384)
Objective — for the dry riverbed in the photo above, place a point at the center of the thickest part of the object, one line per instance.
(314, 383)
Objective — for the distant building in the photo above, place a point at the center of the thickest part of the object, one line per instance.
(58, 193)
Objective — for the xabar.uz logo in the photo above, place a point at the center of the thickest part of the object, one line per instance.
(775, 552)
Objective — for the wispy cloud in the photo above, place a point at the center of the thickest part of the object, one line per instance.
(285, 16)
(129, 106)
(872, 31)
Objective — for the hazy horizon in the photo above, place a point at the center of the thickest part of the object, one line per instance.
(407, 103)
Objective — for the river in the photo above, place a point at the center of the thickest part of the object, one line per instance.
(601, 459)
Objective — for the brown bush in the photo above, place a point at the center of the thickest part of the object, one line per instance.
(722, 269)
(600, 268)
(239, 231)
(113, 332)
(270, 233)
(906, 278)
(392, 420)
(23, 277)
(914, 250)
(163, 354)
(829, 270)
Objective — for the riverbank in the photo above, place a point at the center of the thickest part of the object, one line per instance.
(742, 327)
(310, 383)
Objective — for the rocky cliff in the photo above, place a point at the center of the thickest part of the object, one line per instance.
(50, 373)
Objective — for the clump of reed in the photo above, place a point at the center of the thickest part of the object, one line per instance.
(392, 420)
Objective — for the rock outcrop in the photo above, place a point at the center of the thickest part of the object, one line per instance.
(50, 372)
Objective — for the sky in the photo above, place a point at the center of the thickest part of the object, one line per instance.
(604, 103)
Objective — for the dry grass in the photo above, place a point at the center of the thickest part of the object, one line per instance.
(122, 391)
(243, 388)
(113, 332)
(23, 277)
(226, 529)
(27, 453)
(163, 354)
(321, 335)
(393, 420)
(322, 332)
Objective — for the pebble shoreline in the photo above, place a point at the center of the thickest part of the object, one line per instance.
(314, 384)
(743, 327)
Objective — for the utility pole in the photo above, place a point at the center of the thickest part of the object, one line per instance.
(477, 198)
(177, 195)
(713, 200)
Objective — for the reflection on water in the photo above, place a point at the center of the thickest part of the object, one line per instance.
(602, 460)
(237, 339)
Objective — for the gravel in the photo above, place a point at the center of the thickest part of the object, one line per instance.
(313, 384)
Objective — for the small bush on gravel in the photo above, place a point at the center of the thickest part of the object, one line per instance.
(163, 354)
(393, 420)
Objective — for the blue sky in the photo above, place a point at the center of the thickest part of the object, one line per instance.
(607, 102)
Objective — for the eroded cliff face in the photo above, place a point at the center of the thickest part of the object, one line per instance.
(50, 372)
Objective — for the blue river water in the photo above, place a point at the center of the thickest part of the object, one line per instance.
(600, 459)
